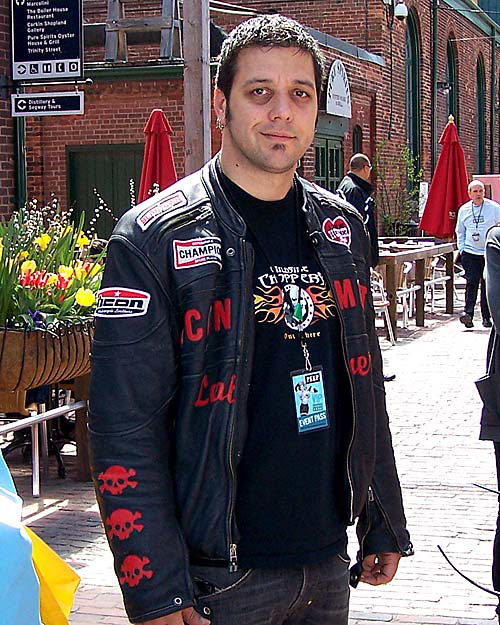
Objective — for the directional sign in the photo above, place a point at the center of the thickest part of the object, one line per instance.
(46, 39)
(34, 104)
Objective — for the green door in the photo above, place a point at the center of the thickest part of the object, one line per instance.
(108, 169)
(329, 162)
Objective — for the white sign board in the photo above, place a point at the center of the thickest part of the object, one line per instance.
(338, 93)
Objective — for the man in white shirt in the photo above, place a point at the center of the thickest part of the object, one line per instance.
(473, 222)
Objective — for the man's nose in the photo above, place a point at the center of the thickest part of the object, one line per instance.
(281, 107)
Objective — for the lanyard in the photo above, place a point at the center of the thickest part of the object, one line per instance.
(297, 308)
(476, 218)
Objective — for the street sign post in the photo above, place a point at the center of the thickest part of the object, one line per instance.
(46, 39)
(34, 104)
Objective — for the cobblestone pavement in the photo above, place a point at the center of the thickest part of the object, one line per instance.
(434, 410)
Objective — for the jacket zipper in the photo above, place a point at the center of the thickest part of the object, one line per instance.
(371, 498)
(232, 547)
(342, 326)
(405, 552)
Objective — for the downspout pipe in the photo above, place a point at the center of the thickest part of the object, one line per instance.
(492, 101)
(20, 162)
(435, 4)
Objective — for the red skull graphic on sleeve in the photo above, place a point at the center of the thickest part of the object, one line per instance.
(121, 523)
(133, 570)
(116, 479)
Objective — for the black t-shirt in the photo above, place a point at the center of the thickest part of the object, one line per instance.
(286, 506)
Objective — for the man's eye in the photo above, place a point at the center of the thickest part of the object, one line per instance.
(301, 94)
(259, 91)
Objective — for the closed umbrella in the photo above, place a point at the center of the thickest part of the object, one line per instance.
(448, 190)
(158, 166)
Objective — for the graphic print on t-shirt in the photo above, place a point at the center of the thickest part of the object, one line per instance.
(293, 296)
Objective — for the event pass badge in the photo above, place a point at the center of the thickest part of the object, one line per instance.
(310, 401)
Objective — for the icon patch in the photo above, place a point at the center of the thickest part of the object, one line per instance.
(196, 252)
(337, 230)
(149, 215)
(118, 301)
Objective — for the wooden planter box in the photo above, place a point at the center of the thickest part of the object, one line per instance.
(31, 358)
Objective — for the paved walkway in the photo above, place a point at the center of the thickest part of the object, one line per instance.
(434, 411)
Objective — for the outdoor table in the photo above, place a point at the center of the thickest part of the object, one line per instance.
(391, 260)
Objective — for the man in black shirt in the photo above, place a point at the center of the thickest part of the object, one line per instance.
(227, 299)
(356, 188)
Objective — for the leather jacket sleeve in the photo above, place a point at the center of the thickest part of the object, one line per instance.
(382, 525)
(493, 274)
(133, 387)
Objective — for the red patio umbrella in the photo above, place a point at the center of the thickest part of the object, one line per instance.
(448, 190)
(158, 165)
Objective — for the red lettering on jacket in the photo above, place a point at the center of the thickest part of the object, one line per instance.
(219, 316)
(193, 334)
(215, 392)
(361, 365)
(345, 293)
(362, 293)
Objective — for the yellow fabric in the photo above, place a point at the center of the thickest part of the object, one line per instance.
(58, 582)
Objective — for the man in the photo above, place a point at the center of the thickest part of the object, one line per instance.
(222, 502)
(356, 188)
(474, 220)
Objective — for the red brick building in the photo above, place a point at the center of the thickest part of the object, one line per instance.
(70, 155)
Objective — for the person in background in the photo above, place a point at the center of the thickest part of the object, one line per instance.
(357, 189)
(490, 421)
(473, 221)
(224, 496)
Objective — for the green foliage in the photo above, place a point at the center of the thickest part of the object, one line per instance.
(398, 177)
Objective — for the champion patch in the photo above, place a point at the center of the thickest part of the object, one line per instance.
(149, 215)
(196, 252)
(117, 301)
(337, 230)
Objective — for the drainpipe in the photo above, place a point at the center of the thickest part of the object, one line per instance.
(20, 164)
(435, 4)
(492, 102)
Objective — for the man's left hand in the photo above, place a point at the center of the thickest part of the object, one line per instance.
(379, 568)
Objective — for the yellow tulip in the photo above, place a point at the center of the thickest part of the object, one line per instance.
(82, 240)
(23, 255)
(52, 279)
(28, 265)
(79, 273)
(42, 241)
(84, 297)
(65, 271)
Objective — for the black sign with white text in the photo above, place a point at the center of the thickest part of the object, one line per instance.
(34, 104)
(46, 39)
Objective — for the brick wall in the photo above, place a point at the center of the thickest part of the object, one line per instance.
(7, 162)
(116, 111)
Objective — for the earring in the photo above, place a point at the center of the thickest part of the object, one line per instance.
(219, 125)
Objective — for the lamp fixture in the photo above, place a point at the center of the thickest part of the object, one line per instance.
(443, 86)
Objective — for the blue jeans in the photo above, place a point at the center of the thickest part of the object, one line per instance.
(316, 594)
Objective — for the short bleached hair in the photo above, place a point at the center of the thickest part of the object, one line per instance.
(475, 183)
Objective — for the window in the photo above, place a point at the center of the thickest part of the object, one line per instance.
(451, 79)
(413, 86)
(329, 162)
(357, 140)
(480, 117)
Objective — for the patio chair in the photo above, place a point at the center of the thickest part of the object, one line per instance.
(381, 302)
(406, 291)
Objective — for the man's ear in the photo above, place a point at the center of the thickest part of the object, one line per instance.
(220, 105)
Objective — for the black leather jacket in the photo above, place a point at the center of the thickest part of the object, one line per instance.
(171, 365)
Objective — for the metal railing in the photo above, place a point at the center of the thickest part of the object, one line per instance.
(33, 422)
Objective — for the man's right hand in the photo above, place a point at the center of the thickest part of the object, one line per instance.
(189, 616)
